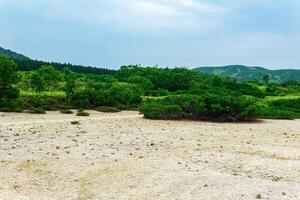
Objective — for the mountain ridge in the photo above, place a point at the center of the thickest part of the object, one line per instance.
(244, 73)
(25, 63)
(13, 55)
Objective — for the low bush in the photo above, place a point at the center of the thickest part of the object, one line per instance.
(82, 113)
(65, 111)
(212, 107)
(108, 109)
(36, 111)
(12, 105)
(155, 110)
(271, 112)
(287, 103)
(46, 102)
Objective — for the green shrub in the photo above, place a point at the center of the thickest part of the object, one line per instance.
(287, 103)
(206, 107)
(271, 112)
(158, 111)
(12, 105)
(46, 102)
(65, 111)
(82, 113)
(37, 111)
(108, 109)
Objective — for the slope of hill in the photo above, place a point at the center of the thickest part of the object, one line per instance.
(244, 73)
(26, 64)
(13, 55)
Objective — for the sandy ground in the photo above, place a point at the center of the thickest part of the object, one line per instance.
(123, 156)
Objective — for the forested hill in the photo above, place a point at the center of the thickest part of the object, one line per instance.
(26, 64)
(244, 73)
(13, 55)
(29, 65)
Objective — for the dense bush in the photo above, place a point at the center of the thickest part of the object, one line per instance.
(155, 110)
(271, 112)
(51, 103)
(206, 107)
(288, 103)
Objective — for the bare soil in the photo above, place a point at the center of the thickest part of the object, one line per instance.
(123, 156)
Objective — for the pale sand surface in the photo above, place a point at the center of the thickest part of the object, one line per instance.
(123, 156)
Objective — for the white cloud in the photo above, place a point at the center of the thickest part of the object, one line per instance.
(144, 15)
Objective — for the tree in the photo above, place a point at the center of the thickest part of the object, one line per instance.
(266, 79)
(70, 79)
(37, 82)
(45, 78)
(50, 75)
(8, 72)
(8, 76)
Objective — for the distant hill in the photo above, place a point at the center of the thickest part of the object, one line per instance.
(11, 54)
(244, 73)
(26, 64)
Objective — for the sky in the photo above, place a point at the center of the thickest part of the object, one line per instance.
(167, 33)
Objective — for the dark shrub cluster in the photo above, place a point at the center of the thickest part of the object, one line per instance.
(75, 122)
(50, 103)
(203, 107)
(66, 111)
(82, 113)
(36, 111)
(108, 109)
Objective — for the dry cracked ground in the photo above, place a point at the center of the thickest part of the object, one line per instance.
(123, 156)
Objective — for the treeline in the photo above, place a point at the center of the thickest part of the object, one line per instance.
(158, 93)
(29, 65)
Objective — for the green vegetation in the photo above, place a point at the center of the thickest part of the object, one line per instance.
(208, 106)
(158, 93)
(8, 92)
(243, 73)
(12, 55)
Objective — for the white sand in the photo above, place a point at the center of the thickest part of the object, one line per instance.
(123, 156)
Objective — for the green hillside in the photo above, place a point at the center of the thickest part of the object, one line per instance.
(12, 55)
(27, 64)
(243, 73)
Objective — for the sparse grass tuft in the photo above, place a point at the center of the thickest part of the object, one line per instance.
(108, 109)
(75, 122)
(82, 113)
(65, 111)
(37, 111)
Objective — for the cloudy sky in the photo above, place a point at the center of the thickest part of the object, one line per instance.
(192, 33)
